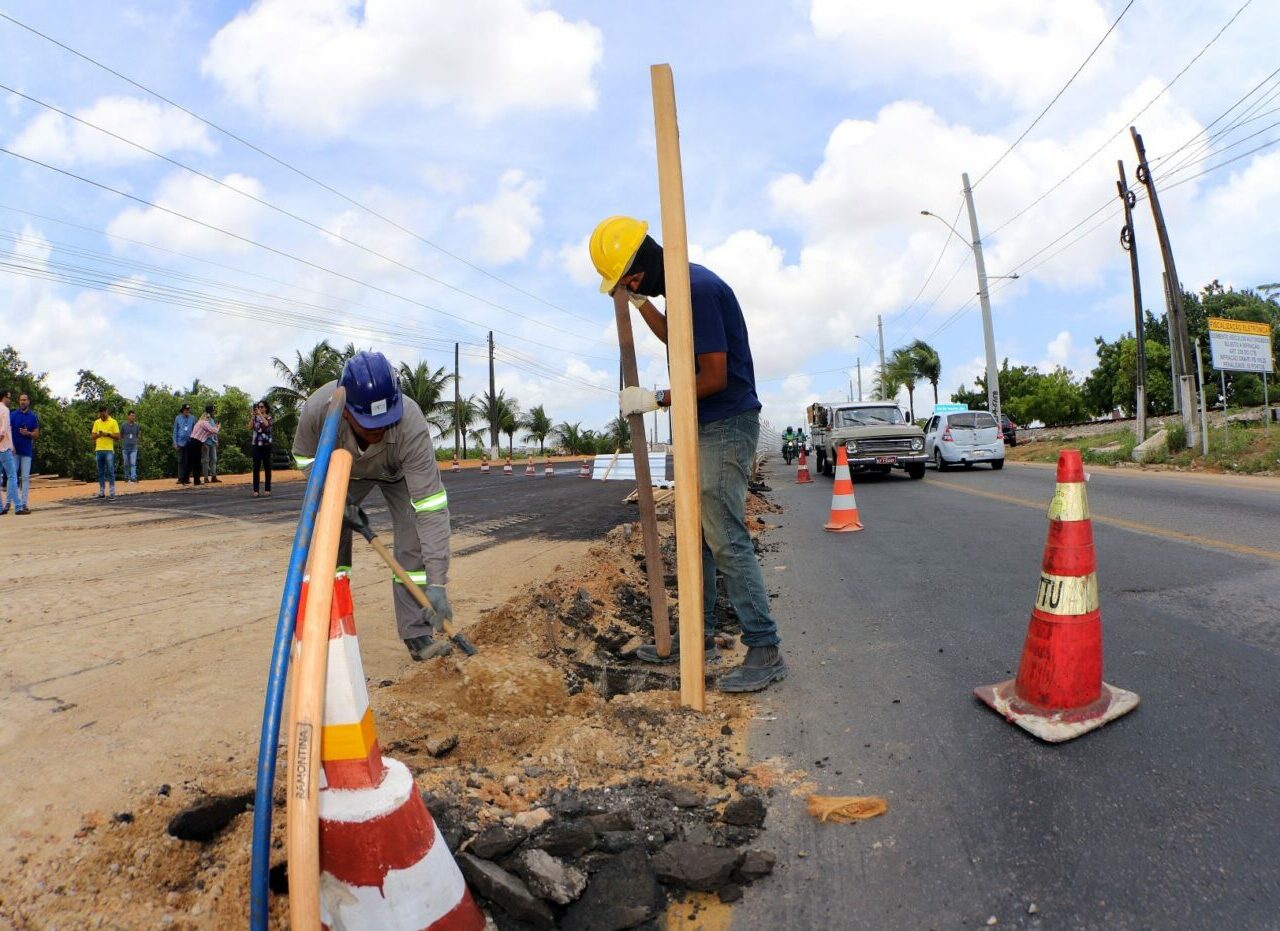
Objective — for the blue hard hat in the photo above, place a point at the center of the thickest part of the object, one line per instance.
(373, 390)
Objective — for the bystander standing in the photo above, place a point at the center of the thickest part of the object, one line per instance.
(26, 427)
(209, 455)
(8, 463)
(130, 433)
(204, 428)
(260, 425)
(183, 424)
(105, 432)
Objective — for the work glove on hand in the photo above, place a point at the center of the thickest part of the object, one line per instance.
(636, 400)
(440, 610)
(637, 300)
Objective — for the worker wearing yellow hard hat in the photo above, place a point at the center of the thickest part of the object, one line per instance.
(630, 264)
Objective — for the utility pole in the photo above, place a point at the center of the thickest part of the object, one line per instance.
(859, 379)
(880, 330)
(457, 408)
(493, 403)
(1182, 339)
(984, 298)
(655, 423)
(1130, 245)
(1173, 356)
(850, 390)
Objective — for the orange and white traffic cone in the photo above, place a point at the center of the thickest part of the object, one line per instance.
(484, 464)
(530, 469)
(802, 470)
(1059, 692)
(585, 471)
(844, 506)
(383, 863)
(549, 471)
(506, 468)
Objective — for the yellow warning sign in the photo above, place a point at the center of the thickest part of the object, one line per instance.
(1223, 325)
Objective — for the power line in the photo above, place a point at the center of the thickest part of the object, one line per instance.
(286, 165)
(1056, 96)
(1129, 122)
(272, 249)
(942, 252)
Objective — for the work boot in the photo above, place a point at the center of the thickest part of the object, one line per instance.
(426, 647)
(762, 666)
(649, 652)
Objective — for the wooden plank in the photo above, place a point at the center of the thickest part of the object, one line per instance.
(644, 483)
(684, 390)
(306, 712)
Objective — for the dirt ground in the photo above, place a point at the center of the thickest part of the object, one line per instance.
(125, 668)
(133, 689)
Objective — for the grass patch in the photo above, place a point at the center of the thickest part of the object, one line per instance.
(1243, 448)
(1091, 448)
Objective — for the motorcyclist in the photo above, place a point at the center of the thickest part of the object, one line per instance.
(788, 444)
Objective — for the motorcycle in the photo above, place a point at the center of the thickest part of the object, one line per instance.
(789, 451)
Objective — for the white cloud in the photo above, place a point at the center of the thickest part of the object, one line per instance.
(575, 258)
(1019, 49)
(321, 64)
(195, 197)
(504, 224)
(52, 137)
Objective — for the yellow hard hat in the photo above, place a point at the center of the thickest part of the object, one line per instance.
(614, 243)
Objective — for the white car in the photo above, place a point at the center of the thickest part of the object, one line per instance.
(963, 438)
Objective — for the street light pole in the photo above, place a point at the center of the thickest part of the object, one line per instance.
(984, 298)
(880, 330)
(859, 379)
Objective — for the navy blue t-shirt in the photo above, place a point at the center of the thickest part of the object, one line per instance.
(718, 327)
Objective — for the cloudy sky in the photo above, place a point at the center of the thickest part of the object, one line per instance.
(489, 137)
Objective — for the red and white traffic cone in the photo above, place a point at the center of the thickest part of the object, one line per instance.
(585, 471)
(844, 506)
(506, 468)
(530, 469)
(383, 863)
(802, 470)
(549, 471)
(1059, 692)
(484, 464)
(457, 467)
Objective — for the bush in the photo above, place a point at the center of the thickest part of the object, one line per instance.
(233, 461)
(1177, 438)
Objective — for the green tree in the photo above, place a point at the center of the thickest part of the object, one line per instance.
(16, 375)
(617, 435)
(1053, 399)
(428, 389)
(509, 420)
(461, 417)
(927, 363)
(537, 426)
(573, 439)
(903, 372)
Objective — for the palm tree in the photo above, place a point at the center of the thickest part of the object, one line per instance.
(508, 420)
(491, 411)
(321, 365)
(902, 371)
(928, 363)
(617, 433)
(461, 418)
(537, 426)
(427, 388)
(478, 438)
(571, 437)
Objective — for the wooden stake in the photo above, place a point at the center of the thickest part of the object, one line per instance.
(306, 716)
(684, 390)
(644, 482)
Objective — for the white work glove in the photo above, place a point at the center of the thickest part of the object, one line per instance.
(637, 300)
(636, 400)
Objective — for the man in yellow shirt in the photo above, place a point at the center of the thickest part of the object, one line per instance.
(105, 433)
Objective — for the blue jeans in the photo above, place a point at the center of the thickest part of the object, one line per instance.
(106, 470)
(726, 449)
(24, 481)
(130, 464)
(9, 469)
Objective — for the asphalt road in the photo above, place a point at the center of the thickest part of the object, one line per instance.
(494, 507)
(1164, 819)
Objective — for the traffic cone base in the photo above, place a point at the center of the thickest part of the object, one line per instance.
(1059, 693)
(844, 506)
(385, 865)
(802, 470)
(1056, 726)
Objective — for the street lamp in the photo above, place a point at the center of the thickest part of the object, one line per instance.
(984, 298)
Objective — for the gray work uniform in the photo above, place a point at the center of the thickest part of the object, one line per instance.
(403, 467)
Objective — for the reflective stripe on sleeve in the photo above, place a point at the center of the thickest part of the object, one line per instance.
(437, 502)
(419, 578)
(303, 461)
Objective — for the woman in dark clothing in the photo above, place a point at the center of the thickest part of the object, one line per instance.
(260, 431)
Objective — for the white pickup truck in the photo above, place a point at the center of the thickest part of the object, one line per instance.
(875, 434)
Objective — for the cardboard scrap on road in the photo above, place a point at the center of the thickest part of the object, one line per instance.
(846, 809)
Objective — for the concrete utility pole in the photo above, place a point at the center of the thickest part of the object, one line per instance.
(880, 330)
(457, 407)
(493, 401)
(1190, 416)
(1173, 356)
(859, 379)
(984, 298)
(1130, 245)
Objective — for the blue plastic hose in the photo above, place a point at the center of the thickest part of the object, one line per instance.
(269, 741)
